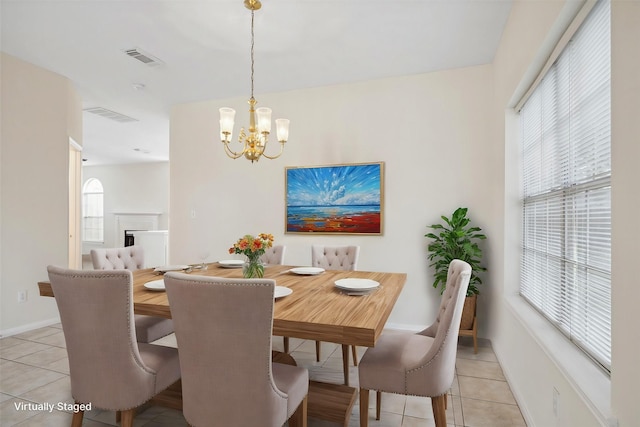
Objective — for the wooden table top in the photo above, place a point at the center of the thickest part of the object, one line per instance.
(315, 310)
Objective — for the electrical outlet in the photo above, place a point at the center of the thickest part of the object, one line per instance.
(22, 296)
(556, 402)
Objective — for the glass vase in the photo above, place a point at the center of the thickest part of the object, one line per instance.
(253, 268)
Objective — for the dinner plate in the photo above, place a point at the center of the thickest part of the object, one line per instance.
(231, 263)
(357, 285)
(166, 268)
(155, 285)
(282, 291)
(307, 271)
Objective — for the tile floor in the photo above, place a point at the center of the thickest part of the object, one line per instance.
(34, 368)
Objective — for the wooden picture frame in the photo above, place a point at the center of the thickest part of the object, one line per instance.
(335, 199)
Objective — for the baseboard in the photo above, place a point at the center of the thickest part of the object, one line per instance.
(29, 327)
(517, 395)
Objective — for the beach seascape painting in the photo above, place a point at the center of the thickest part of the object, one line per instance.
(345, 199)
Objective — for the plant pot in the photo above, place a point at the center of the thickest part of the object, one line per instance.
(468, 312)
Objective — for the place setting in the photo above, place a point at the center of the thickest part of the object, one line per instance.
(231, 263)
(306, 271)
(155, 285)
(180, 267)
(356, 286)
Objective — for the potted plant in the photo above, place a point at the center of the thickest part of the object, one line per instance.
(457, 239)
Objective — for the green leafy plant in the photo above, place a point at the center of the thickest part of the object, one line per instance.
(455, 239)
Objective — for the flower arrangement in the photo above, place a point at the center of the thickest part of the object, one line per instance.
(253, 248)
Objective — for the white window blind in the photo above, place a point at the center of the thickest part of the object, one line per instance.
(566, 153)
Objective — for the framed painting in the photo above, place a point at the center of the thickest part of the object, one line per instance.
(336, 199)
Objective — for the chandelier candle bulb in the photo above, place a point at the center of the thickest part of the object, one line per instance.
(282, 130)
(264, 119)
(227, 116)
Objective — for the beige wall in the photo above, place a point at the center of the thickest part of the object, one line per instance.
(430, 130)
(531, 353)
(40, 111)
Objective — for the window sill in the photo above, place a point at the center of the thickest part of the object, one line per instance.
(589, 381)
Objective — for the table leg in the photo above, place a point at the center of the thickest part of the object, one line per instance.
(345, 363)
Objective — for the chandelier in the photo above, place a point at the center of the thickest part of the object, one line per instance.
(255, 142)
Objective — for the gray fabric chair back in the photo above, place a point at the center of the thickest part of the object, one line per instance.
(335, 257)
(96, 312)
(223, 330)
(274, 255)
(437, 368)
(127, 258)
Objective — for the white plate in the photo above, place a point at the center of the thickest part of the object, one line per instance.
(358, 285)
(231, 263)
(282, 291)
(155, 285)
(307, 271)
(166, 268)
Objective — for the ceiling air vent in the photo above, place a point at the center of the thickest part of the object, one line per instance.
(110, 114)
(143, 57)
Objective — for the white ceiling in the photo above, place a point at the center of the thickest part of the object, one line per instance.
(204, 46)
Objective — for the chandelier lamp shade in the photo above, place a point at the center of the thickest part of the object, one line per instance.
(254, 143)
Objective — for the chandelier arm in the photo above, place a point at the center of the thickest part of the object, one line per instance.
(232, 154)
(277, 155)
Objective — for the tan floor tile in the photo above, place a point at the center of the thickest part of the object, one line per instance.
(10, 342)
(455, 405)
(19, 378)
(387, 419)
(168, 341)
(10, 414)
(4, 397)
(56, 339)
(56, 419)
(37, 333)
(479, 413)
(22, 349)
(44, 357)
(484, 389)
(479, 369)
(54, 392)
(484, 353)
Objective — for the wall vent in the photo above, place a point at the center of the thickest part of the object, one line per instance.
(108, 114)
(143, 57)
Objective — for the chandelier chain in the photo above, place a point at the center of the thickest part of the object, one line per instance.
(252, 41)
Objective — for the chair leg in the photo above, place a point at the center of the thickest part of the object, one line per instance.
(127, 418)
(439, 412)
(317, 351)
(76, 421)
(378, 404)
(364, 407)
(285, 342)
(299, 418)
(355, 355)
(475, 336)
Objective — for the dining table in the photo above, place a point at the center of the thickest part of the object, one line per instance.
(312, 308)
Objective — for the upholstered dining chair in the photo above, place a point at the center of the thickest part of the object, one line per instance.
(224, 332)
(274, 255)
(107, 367)
(148, 328)
(421, 364)
(335, 258)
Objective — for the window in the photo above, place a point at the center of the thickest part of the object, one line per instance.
(93, 211)
(566, 159)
